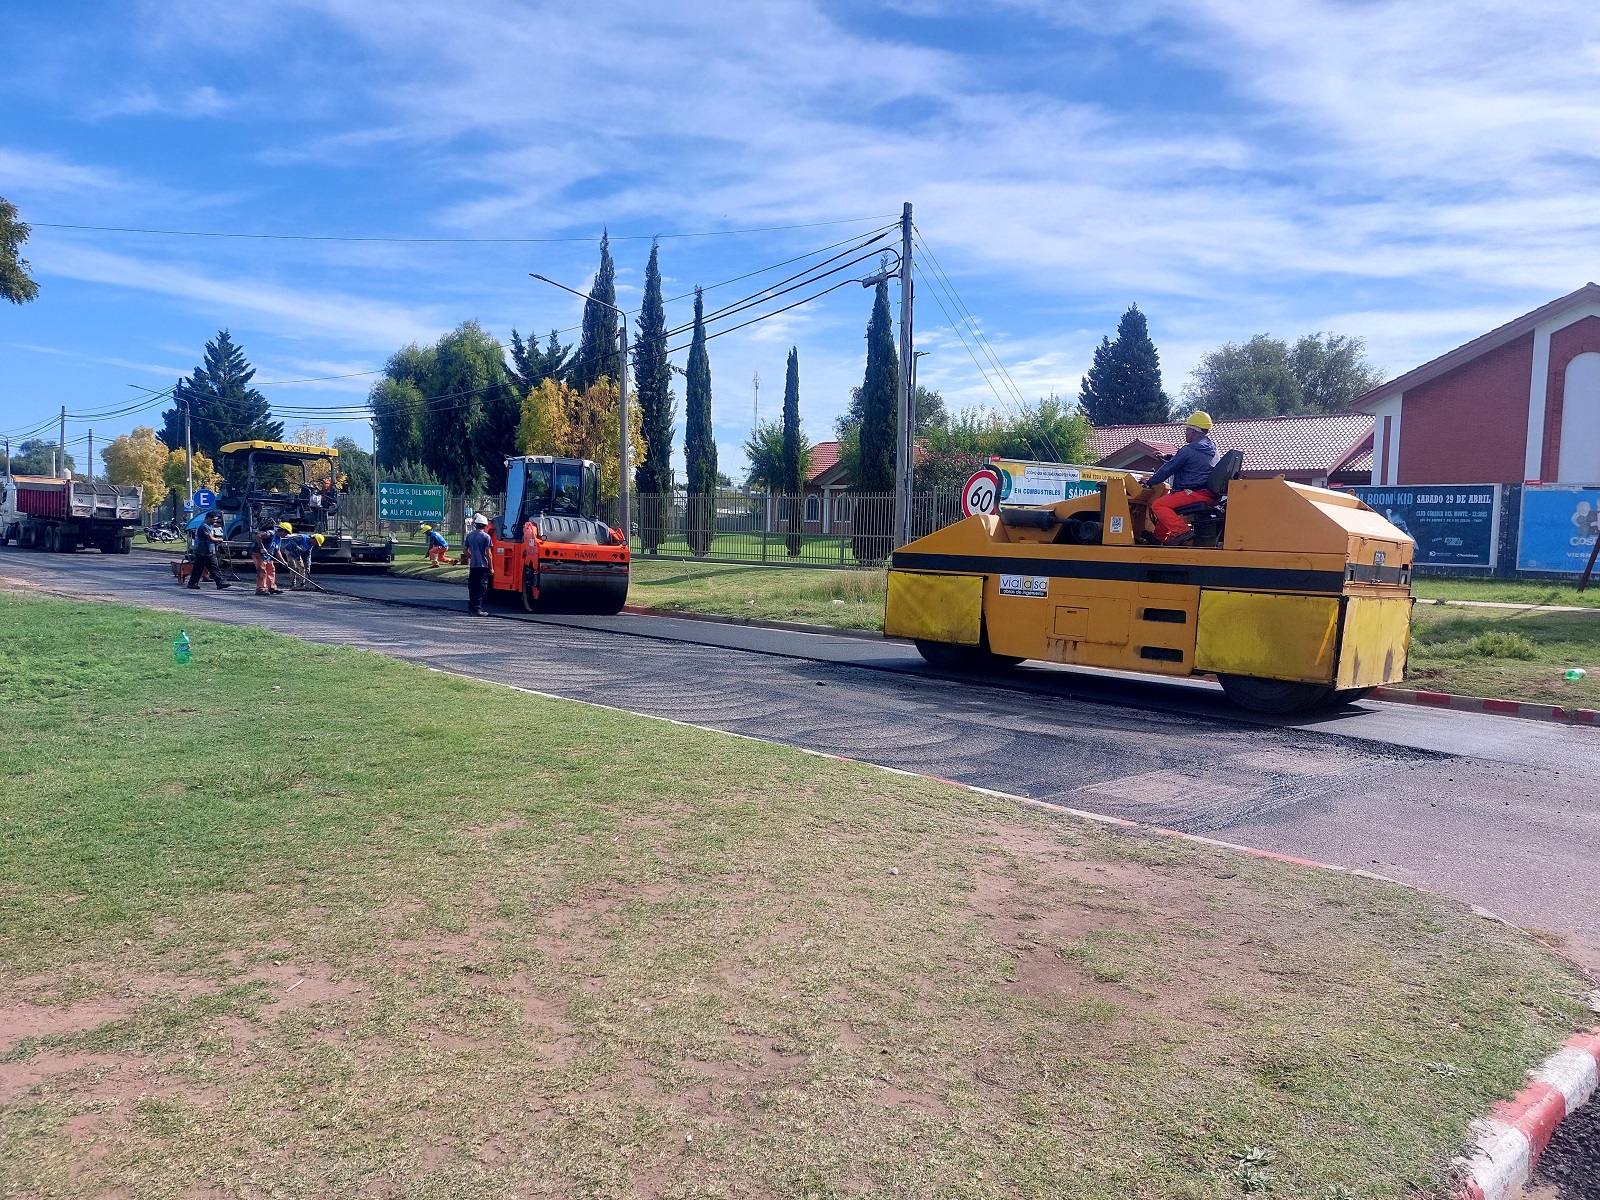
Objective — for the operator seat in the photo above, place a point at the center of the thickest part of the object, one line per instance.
(1206, 518)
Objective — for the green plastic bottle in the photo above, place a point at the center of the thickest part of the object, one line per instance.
(1574, 674)
(180, 648)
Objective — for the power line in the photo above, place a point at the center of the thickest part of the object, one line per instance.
(308, 237)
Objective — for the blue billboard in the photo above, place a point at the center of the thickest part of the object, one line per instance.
(1559, 527)
(1453, 526)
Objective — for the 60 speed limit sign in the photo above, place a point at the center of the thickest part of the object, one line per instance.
(981, 494)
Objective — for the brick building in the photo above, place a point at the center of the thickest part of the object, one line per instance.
(1521, 404)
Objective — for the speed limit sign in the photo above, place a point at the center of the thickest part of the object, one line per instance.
(981, 494)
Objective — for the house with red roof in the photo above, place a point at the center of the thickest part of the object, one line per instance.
(1331, 450)
(1521, 404)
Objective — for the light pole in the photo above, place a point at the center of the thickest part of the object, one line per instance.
(623, 513)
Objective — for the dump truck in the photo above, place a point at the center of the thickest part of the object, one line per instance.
(1293, 597)
(272, 483)
(550, 547)
(64, 514)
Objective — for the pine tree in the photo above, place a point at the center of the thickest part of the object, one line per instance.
(699, 441)
(223, 407)
(16, 285)
(531, 366)
(1123, 386)
(792, 483)
(652, 375)
(598, 348)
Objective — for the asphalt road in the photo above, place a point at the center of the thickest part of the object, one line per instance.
(1491, 810)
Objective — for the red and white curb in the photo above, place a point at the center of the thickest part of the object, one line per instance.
(1509, 708)
(1511, 1140)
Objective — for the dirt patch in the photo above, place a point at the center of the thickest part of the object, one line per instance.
(19, 1020)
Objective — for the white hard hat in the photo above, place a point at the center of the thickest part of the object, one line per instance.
(480, 520)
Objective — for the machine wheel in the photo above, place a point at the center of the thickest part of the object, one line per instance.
(972, 660)
(52, 540)
(1275, 695)
(1351, 695)
(530, 589)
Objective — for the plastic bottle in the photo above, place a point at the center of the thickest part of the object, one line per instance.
(180, 648)
(1574, 674)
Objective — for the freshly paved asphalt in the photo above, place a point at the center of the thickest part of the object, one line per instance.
(1495, 811)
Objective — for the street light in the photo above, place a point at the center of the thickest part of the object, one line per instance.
(622, 407)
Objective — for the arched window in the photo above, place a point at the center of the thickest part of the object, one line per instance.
(1580, 422)
(813, 509)
(841, 509)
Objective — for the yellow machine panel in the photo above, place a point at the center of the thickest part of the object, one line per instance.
(936, 608)
(1267, 635)
(1377, 634)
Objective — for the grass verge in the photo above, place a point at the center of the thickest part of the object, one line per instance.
(296, 920)
(1506, 591)
(1513, 654)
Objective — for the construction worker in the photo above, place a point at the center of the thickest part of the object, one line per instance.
(479, 544)
(298, 548)
(208, 542)
(264, 553)
(438, 547)
(1190, 471)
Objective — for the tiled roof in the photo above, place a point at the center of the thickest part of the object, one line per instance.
(1316, 443)
(823, 456)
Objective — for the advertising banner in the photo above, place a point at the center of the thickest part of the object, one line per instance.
(1559, 526)
(1023, 483)
(1453, 526)
(411, 502)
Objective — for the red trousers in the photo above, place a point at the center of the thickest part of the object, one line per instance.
(266, 574)
(1168, 523)
(437, 555)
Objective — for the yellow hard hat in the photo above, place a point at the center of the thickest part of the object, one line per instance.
(1199, 420)
(285, 526)
(427, 529)
(318, 538)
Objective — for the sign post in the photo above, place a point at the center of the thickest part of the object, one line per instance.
(981, 493)
(204, 498)
(411, 502)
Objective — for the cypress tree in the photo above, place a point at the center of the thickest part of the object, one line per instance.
(1123, 386)
(653, 385)
(792, 484)
(875, 461)
(598, 347)
(223, 406)
(699, 442)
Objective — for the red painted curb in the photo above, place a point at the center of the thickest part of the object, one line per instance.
(1524, 709)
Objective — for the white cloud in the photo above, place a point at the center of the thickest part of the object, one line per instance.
(25, 172)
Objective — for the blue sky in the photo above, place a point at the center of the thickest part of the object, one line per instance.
(1410, 173)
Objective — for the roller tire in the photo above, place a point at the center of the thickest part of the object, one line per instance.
(1278, 697)
(969, 660)
(1351, 695)
(529, 590)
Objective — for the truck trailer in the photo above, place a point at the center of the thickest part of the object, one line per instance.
(64, 514)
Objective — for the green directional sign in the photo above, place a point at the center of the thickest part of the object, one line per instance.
(411, 501)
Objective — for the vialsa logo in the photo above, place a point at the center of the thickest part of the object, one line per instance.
(1035, 587)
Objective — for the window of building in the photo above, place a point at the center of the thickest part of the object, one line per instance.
(813, 509)
(841, 509)
(1580, 421)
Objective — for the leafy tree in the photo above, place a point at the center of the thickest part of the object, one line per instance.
(652, 375)
(699, 440)
(1236, 383)
(1332, 370)
(1123, 387)
(1050, 430)
(598, 345)
(136, 460)
(531, 366)
(175, 477)
(223, 407)
(558, 419)
(38, 457)
(16, 285)
(410, 471)
(355, 464)
(399, 408)
(763, 449)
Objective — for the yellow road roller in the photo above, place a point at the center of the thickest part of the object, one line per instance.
(1294, 597)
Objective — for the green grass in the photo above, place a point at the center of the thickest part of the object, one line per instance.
(1506, 591)
(295, 920)
(1512, 654)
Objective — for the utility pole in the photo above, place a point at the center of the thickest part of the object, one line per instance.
(61, 447)
(904, 451)
(377, 528)
(188, 456)
(91, 458)
(755, 405)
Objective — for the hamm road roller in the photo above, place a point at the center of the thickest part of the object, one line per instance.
(1292, 596)
(550, 547)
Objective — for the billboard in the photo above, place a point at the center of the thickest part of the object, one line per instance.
(1453, 526)
(1559, 527)
(1024, 482)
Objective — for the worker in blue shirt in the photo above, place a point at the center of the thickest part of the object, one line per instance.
(438, 547)
(1190, 473)
(479, 547)
(297, 549)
